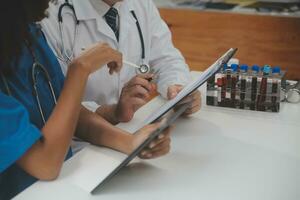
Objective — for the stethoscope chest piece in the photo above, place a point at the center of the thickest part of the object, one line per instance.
(144, 69)
(293, 95)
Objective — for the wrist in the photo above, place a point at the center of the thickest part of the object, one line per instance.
(79, 67)
(127, 143)
(109, 113)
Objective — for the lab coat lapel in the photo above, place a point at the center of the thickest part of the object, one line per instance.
(126, 23)
(103, 28)
(85, 11)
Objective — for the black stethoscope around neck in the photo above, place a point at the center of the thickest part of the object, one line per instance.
(36, 69)
(67, 57)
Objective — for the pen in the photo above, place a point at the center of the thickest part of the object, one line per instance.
(153, 79)
(143, 68)
(131, 64)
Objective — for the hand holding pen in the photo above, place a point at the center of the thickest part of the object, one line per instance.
(136, 93)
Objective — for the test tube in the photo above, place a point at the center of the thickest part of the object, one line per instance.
(243, 71)
(223, 85)
(254, 74)
(263, 89)
(234, 78)
(210, 97)
(228, 73)
(219, 89)
(275, 89)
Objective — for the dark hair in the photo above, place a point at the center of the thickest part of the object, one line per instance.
(15, 18)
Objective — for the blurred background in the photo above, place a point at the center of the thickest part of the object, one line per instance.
(265, 31)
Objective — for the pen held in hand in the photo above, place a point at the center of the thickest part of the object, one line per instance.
(130, 64)
(152, 79)
(143, 68)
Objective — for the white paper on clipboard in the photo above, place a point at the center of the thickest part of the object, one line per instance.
(160, 105)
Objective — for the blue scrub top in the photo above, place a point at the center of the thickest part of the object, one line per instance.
(20, 119)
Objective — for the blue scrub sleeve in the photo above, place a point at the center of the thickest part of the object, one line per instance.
(17, 134)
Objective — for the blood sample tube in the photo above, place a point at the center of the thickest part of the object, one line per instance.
(254, 75)
(210, 90)
(243, 72)
(275, 89)
(234, 79)
(227, 85)
(220, 85)
(263, 89)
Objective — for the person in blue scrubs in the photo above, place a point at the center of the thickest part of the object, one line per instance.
(31, 148)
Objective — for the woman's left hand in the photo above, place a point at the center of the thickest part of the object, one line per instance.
(158, 147)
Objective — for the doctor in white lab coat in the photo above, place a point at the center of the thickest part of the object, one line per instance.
(117, 97)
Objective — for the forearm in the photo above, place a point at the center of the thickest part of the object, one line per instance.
(98, 131)
(108, 112)
(48, 154)
(44, 159)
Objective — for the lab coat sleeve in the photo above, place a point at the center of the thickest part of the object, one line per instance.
(17, 134)
(165, 59)
(90, 105)
(50, 28)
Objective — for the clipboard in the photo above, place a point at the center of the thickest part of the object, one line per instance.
(170, 119)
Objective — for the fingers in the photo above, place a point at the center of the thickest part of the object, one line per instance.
(162, 137)
(173, 91)
(116, 62)
(135, 94)
(154, 154)
(144, 133)
(160, 149)
(159, 146)
(98, 55)
(195, 103)
(142, 80)
(139, 86)
(151, 127)
(112, 57)
(188, 99)
(192, 110)
(137, 103)
(136, 91)
(113, 67)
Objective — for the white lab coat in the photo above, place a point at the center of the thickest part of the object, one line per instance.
(161, 55)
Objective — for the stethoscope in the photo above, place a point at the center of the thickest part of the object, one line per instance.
(35, 70)
(291, 93)
(67, 57)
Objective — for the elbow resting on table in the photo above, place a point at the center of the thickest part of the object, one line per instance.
(46, 173)
(43, 168)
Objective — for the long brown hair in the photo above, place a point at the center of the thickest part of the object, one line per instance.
(15, 17)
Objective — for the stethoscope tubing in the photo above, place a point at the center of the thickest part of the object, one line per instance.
(64, 55)
(35, 66)
(68, 58)
(34, 73)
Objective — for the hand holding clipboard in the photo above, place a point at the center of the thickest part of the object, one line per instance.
(170, 119)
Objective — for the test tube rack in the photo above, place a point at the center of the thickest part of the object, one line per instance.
(237, 87)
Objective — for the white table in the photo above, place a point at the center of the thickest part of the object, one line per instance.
(217, 154)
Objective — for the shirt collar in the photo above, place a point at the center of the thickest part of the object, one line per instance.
(102, 8)
(91, 9)
(84, 10)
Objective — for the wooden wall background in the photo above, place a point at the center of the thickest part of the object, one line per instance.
(203, 36)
